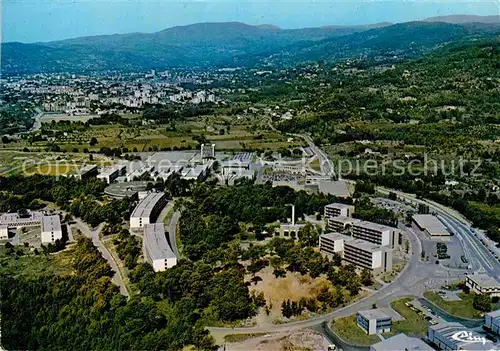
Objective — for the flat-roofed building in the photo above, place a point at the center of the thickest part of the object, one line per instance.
(492, 321)
(289, 230)
(373, 232)
(51, 229)
(339, 223)
(4, 232)
(110, 174)
(331, 243)
(430, 225)
(361, 253)
(86, 172)
(401, 342)
(157, 250)
(374, 321)
(482, 283)
(367, 255)
(338, 209)
(147, 210)
(14, 220)
(337, 188)
(454, 336)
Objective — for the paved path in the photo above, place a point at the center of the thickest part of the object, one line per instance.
(94, 235)
(172, 226)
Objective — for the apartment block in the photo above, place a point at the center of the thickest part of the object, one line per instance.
(492, 321)
(358, 252)
(338, 209)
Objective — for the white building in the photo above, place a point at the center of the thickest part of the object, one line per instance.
(454, 336)
(4, 232)
(430, 225)
(374, 321)
(109, 174)
(492, 321)
(147, 210)
(51, 229)
(13, 220)
(482, 283)
(337, 209)
(361, 253)
(401, 342)
(156, 249)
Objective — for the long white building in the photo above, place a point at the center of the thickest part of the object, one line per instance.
(147, 210)
(156, 248)
(51, 229)
(338, 209)
(13, 220)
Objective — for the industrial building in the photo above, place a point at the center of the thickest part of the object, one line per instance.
(156, 248)
(444, 336)
(51, 229)
(147, 210)
(207, 151)
(482, 283)
(361, 253)
(374, 321)
(401, 342)
(109, 174)
(430, 225)
(492, 322)
(337, 209)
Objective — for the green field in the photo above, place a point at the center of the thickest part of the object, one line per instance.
(463, 308)
(413, 323)
(347, 329)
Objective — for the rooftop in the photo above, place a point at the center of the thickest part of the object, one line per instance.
(337, 188)
(342, 219)
(371, 225)
(336, 236)
(51, 223)
(431, 223)
(145, 206)
(14, 217)
(484, 279)
(374, 314)
(401, 342)
(447, 330)
(111, 169)
(494, 314)
(339, 205)
(156, 242)
(364, 245)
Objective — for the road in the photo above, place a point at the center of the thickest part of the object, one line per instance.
(94, 235)
(477, 253)
(172, 227)
(325, 163)
(38, 120)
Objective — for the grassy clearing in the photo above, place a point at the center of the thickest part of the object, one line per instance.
(241, 337)
(347, 329)
(33, 266)
(413, 324)
(463, 308)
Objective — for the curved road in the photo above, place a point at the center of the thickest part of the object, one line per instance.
(172, 227)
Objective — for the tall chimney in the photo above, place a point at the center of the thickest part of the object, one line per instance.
(293, 214)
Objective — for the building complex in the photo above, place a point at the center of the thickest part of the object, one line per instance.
(110, 174)
(492, 321)
(482, 283)
(401, 342)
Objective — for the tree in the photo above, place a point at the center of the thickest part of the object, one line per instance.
(93, 141)
(5, 139)
(286, 309)
(366, 277)
(482, 302)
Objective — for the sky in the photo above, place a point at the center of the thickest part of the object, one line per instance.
(47, 20)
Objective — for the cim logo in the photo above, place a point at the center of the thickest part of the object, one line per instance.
(466, 336)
